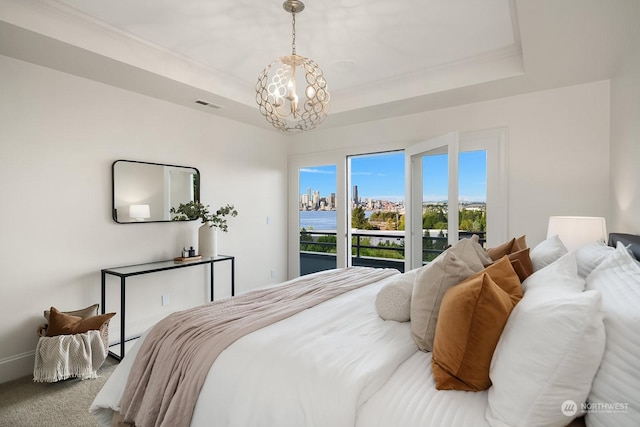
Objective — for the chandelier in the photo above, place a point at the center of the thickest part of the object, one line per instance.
(292, 92)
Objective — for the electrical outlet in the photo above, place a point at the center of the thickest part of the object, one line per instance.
(273, 274)
(165, 299)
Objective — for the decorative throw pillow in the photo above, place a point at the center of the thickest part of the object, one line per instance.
(64, 324)
(499, 251)
(430, 286)
(547, 355)
(590, 256)
(393, 301)
(617, 279)
(547, 251)
(432, 281)
(519, 244)
(472, 252)
(505, 276)
(521, 262)
(472, 316)
(92, 310)
(559, 275)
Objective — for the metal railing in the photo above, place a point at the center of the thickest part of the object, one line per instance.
(318, 248)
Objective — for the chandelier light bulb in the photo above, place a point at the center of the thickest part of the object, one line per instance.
(277, 88)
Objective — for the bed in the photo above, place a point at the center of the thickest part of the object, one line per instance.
(334, 361)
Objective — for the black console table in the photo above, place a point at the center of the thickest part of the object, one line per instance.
(153, 267)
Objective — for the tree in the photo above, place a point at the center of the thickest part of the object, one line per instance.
(359, 220)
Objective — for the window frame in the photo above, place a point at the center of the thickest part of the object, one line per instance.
(491, 140)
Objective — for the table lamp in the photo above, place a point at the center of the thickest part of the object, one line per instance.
(577, 231)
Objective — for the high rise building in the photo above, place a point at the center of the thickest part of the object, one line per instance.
(356, 200)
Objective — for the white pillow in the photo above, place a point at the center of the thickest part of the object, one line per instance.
(561, 274)
(547, 251)
(617, 381)
(590, 256)
(393, 301)
(548, 354)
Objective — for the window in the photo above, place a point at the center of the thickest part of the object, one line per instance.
(376, 209)
(317, 219)
(463, 173)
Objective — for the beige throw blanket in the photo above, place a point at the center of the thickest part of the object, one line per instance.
(67, 356)
(173, 361)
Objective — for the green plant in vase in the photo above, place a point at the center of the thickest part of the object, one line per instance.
(196, 210)
(211, 222)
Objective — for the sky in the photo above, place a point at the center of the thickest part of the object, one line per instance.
(381, 177)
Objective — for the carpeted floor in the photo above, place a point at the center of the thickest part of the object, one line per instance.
(24, 403)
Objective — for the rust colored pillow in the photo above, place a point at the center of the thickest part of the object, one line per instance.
(504, 275)
(64, 324)
(508, 247)
(521, 262)
(501, 250)
(519, 244)
(472, 317)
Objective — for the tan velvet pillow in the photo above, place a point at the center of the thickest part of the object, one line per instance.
(92, 310)
(467, 248)
(65, 324)
(448, 269)
(472, 317)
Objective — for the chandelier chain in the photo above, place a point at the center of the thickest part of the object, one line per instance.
(293, 33)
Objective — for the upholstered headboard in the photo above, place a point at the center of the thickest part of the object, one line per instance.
(632, 241)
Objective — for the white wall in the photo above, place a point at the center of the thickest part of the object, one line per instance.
(59, 135)
(558, 148)
(625, 142)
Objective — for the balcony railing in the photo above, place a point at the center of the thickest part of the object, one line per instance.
(369, 249)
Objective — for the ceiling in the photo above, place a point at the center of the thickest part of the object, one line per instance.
(380, 60)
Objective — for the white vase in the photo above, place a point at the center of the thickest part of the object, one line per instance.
(207, 240)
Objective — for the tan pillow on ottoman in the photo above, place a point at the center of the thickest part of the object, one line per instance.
(92, 310)
(64, 324)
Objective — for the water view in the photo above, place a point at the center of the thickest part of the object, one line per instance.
(318, 220)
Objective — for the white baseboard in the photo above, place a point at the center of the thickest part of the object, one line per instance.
(17, 366)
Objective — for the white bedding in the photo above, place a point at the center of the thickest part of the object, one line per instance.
(410, 398)
(336, 364)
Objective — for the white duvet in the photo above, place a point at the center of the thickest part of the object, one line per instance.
(336, 364)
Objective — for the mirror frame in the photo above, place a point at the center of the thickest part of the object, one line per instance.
(114, 211)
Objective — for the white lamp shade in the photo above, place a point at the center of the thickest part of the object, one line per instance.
(139, 212)
(577, 231)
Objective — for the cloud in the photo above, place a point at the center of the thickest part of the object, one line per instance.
(322, 171)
